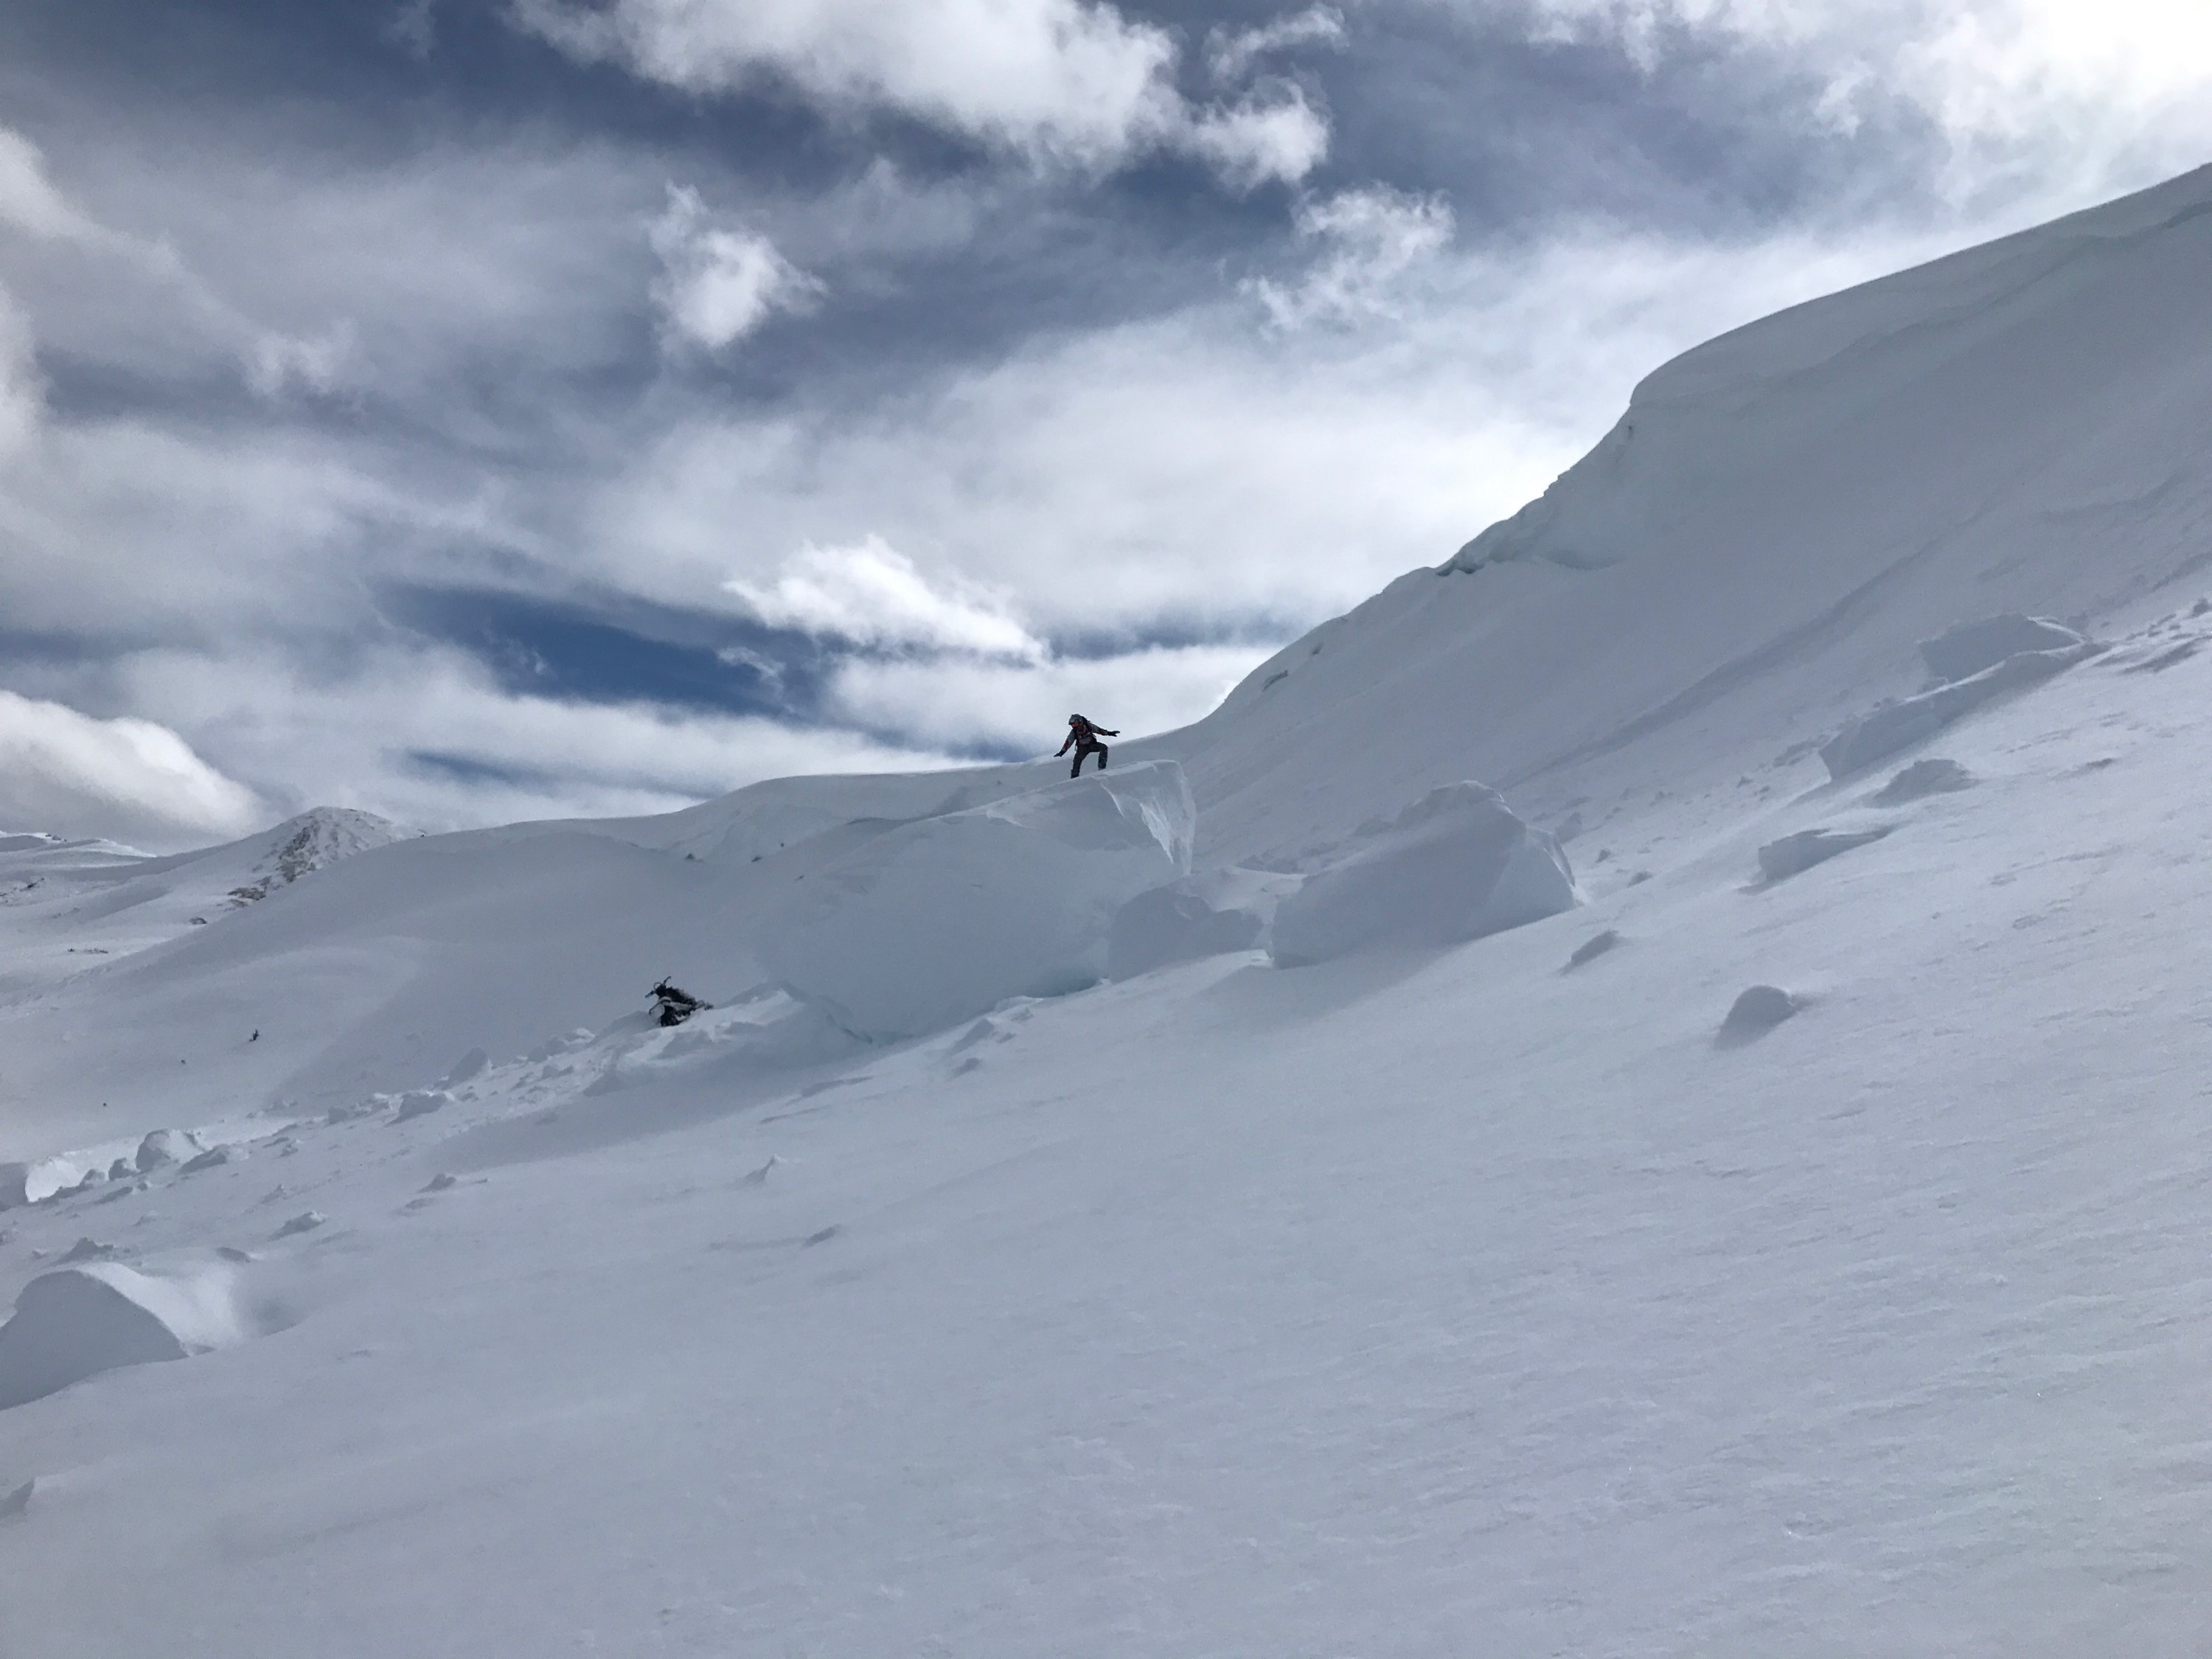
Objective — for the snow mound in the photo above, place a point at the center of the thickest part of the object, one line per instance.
(1933, 776)
(1793, 855)
(1456, 865)
(1962, 652)
(100, 1316)
(932, 923)
(1876, 737)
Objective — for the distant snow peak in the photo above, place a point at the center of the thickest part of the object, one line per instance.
(313, 841)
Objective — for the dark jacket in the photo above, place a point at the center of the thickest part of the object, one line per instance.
(1085, 735)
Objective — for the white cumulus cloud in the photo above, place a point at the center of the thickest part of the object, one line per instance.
(870, 593)
(2053, 99)
(22, 392)
(1276, 134)
(130, 779)
(1369, 239)
(1230, 53)
(29, 204)
(718, 284)
(1072, 80)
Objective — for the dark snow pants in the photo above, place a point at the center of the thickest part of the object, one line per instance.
(1083, 750)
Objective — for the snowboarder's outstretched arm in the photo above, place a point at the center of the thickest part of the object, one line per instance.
(1064, 742)
(1108, 732)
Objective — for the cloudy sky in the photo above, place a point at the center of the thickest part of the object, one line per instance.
(470, 409)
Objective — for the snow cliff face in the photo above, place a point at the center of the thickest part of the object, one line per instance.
(944, 919)
(1757, 547)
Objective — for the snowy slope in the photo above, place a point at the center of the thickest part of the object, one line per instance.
(1753, 552)
(1436, 1298)
(72, 899)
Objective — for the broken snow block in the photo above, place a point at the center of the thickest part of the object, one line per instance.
(1876, 735)
(419, 1103)
(1456, 865)
(99, 1316)
(165, 1146)
(938, 920)
(468, 1066)
(1755, 1012)
(1968, 648)
(1924, 778)
(1780, 859)
(1171, 924)
(1593, 947)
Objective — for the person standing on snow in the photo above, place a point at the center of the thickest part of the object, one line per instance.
(1083, 735)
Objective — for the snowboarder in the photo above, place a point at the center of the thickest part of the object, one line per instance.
(1083, 735)
(676, 1005)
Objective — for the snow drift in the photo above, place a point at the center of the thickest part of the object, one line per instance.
(1455, 865)
(100, 1316)
(930, 922)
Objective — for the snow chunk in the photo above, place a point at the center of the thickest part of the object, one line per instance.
(1757, 1011)
(1934, 776)
(166, 1147)
(1592, 948)
(1454, 866)
(420, 1102)
(1793, 855)
(940, 920)
(34, 1181)
(1960, 653)
(1174, 924)
(99, 1316)
(467, 1066)
(1877, 735)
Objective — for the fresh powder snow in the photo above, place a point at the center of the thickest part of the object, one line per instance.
(1484, 1144)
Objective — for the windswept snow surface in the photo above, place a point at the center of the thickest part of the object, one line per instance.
(1422, 1301)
